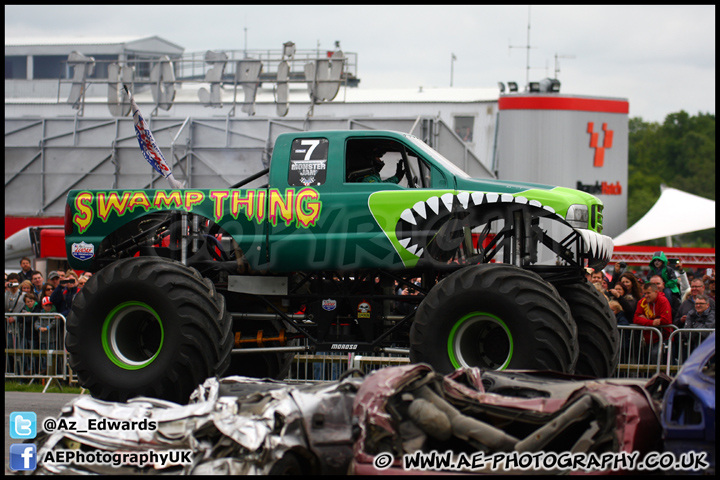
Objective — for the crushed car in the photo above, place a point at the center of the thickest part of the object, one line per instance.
(408, 409)
(232, 426)
(243, 425)
(688, 411)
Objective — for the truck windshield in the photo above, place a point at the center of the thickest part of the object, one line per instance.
(454, 169)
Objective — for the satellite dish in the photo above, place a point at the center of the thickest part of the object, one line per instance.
(247, 73)
(323, 77)
(214, 75)
(282, 93)
(82, 67)
(162, 88)
(118, 100)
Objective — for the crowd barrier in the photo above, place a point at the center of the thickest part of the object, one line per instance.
(33, 354)
(637, 359)
(683, 341)
(43, 355)
(319, 366)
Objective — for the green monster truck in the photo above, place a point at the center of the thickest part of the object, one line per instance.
(194, 283)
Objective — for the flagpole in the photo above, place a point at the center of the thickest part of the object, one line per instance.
(149, 147)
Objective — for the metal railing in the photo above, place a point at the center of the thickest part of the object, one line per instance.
(683, 341)
(638, 359)
(35, 347)
(319, 366)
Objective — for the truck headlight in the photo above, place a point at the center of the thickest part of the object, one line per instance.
(578, 216)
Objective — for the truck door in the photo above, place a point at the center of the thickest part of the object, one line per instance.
(345, 235)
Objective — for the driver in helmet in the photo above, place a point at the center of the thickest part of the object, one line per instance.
(377, 165)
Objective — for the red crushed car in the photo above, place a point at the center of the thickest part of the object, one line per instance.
(413, 420)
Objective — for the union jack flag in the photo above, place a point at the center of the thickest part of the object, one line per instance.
(149, 148)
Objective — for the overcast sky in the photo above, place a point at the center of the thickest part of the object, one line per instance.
(661, 58)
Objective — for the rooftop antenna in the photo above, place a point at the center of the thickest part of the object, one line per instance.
(527, 47)
(452, 61)
(245, 29)
(557, 64)
(246, 56)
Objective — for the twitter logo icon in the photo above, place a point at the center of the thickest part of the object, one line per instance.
(23, 425)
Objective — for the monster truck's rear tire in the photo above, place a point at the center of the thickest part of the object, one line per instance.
(148, 326)
(597, 330)
(494, 317)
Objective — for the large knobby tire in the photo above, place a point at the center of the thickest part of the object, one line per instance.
(494, 317)
(148, 326)
(597, 330)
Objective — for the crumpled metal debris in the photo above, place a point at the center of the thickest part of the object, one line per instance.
(234, 426)
(411, 408)
(242, 425)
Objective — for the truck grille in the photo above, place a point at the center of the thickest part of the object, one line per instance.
(596, 218)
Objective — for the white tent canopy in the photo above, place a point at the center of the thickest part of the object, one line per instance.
(674, 213)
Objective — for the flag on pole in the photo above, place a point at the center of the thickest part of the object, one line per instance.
(149, 148)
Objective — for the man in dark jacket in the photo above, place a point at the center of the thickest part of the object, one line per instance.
(64, 294)
(697, 288)
(26, 269)
(702, 316)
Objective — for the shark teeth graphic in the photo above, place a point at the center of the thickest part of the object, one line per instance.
(599, 248)
(434, 204)
(419, 207)
(441, 205)
(408, 216)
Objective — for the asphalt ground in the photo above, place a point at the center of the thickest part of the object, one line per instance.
(43, 404)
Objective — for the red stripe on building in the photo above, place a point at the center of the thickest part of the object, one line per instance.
(15, 224)
(563, 103)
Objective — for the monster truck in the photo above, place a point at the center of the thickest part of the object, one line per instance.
(196, 282)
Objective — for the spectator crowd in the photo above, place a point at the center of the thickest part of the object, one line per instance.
(666, 297)
(29, 338)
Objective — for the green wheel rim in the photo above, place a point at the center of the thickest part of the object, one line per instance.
(482, 340)
(132, 335)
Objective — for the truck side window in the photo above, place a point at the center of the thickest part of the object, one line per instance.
(378, 160)
(308, 162)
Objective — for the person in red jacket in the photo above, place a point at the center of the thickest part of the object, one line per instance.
(653, 310)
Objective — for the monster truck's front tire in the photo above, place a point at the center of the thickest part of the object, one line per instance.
(494, 317)
(148, 326)
(597, 330)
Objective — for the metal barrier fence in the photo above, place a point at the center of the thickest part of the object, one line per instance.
(637, 359)
(683, 342)
(319, 366)
(640, 360)
(35, 347)
(42, 354)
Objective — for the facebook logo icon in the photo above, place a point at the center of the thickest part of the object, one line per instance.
(23, 425)
(23, 456)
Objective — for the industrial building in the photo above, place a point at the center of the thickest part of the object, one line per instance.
(216, 114)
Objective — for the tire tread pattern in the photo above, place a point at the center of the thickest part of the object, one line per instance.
(485, 287)
(597, 330)
(203, 325)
